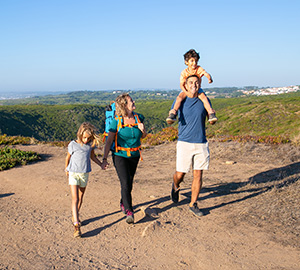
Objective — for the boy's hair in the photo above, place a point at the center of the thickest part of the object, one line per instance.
(91, 130)
(121, 104)
(191, 54)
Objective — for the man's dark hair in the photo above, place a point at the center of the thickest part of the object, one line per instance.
(191, 76)
(191, 54)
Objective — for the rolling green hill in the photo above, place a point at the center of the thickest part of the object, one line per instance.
(255, 116)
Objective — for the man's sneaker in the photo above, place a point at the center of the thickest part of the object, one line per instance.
(174, 194)
(77, 232)
(171, 118)
(196, 211)
(212, 118)
(122, 208)
(129, 217)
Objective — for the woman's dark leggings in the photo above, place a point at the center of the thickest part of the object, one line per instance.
(126, 168)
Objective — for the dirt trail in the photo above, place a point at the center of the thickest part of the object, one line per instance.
(36, 230)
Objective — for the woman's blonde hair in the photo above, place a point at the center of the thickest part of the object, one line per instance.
(91, 130)
(121, 104)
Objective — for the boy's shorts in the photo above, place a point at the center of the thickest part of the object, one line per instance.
(78, 179)
(192, 154)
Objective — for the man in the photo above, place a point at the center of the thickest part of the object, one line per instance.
(192, 146)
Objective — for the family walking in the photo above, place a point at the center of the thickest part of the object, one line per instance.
(124, 142)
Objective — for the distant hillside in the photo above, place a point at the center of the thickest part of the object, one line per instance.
(277, 115)
(104, 97)
(61, 122)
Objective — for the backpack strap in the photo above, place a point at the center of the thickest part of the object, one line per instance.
(122, 125)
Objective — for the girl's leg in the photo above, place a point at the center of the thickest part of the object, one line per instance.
(81, 191)
(75, 200)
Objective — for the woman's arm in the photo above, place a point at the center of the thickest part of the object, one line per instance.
(109, 141)
(141, 127)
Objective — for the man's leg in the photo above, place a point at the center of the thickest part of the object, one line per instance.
(177, 179)
(196, 186)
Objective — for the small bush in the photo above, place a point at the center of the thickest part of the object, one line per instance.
(9, 158)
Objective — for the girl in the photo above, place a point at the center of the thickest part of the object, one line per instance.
(78, 166)
(126, 131)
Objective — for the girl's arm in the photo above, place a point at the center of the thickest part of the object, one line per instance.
(109, 141)
(95, 159)
(67, 163)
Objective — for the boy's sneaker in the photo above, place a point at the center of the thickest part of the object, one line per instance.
(129, 217)
(77, 232)
(171, 118)
(196, 211)
(174, 194)
(122, 208)
(212, 118)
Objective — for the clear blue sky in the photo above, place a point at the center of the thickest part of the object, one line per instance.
(67, 45)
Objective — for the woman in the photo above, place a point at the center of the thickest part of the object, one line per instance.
(125, 131)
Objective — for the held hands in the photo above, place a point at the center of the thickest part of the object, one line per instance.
(104, 164)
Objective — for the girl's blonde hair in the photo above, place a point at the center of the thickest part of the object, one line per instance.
(121, 104)
(91, 130)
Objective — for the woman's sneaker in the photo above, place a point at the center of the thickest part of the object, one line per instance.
(129, 217)
(77, 232)
(212, 118)
(122, 208)
(171, 118)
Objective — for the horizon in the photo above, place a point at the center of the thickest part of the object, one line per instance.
(138, 45)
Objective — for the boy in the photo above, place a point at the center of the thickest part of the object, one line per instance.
(191, 59)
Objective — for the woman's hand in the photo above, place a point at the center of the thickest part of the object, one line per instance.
(141, 127)
(104, 164)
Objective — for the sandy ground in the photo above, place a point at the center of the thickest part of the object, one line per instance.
(36, 230)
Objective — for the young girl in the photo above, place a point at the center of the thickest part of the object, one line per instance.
(78, 166)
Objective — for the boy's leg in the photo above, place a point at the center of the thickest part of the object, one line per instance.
(173, 112)
(211, 112)
(206, 103)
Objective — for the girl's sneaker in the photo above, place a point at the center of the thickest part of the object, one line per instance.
(77, 232)
(129, 217)
(122, 208)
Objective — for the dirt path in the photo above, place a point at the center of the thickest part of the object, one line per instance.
(36, 230)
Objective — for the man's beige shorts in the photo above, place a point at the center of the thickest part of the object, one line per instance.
(195, 155)
(78, 179)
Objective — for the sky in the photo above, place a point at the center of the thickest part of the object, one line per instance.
(70, 45)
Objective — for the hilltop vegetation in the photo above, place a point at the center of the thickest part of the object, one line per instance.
(248, 116)
(104, 97)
